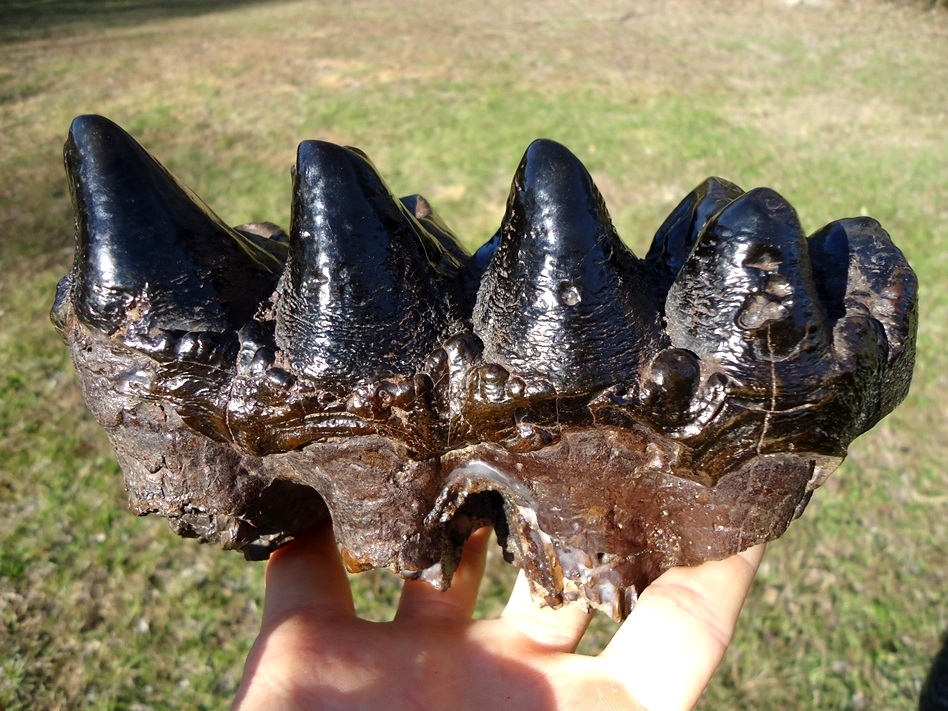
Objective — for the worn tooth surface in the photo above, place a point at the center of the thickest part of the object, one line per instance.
(746, 297)
(558, 299)
(366, 289)
(610, 417)
(871, 294)
(147, 249)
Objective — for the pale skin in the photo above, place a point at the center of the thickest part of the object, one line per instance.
(313, 652)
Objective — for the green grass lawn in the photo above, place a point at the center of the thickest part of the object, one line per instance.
(841, 107)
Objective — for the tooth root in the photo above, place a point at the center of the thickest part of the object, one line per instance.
(746, 294)
(556, 300)
(147, 249)
(677, 236)
(367, 289)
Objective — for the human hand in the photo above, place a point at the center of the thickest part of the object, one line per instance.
(313, 652)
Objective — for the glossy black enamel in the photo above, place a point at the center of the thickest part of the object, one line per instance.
(746, 296)
(367, 289)
(562, 297)
(146, 245)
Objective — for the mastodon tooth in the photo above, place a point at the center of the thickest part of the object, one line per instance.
(558, 298)
(147, 249)
(367, 289)
(611, 418)
(676, 237)
(746, 295)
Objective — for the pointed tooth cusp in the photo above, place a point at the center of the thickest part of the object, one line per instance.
(557, 300)
(675, 239)
(367, 289)
(746, 295)
(148, 251)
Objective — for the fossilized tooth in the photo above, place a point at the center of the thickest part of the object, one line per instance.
(562, 298)
(602, 448)
(150, 252)
(367, 289)
(675, 239)
(746, 298)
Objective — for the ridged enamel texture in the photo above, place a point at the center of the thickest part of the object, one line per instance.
(560, 300)
(609, 416)
(366, 289)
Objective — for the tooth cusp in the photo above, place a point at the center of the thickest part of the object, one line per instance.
(148, 250)
(557, 299)
(746, 296)
(677, 236)
(866, 280)
(367, 289)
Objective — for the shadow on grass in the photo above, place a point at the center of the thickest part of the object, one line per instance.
(935, 692)
(40, 19)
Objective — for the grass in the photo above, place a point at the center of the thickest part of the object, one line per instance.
(840, 107)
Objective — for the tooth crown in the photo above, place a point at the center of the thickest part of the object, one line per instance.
(138, 230)
(559, 300)
(610, 416)
(367, 289)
